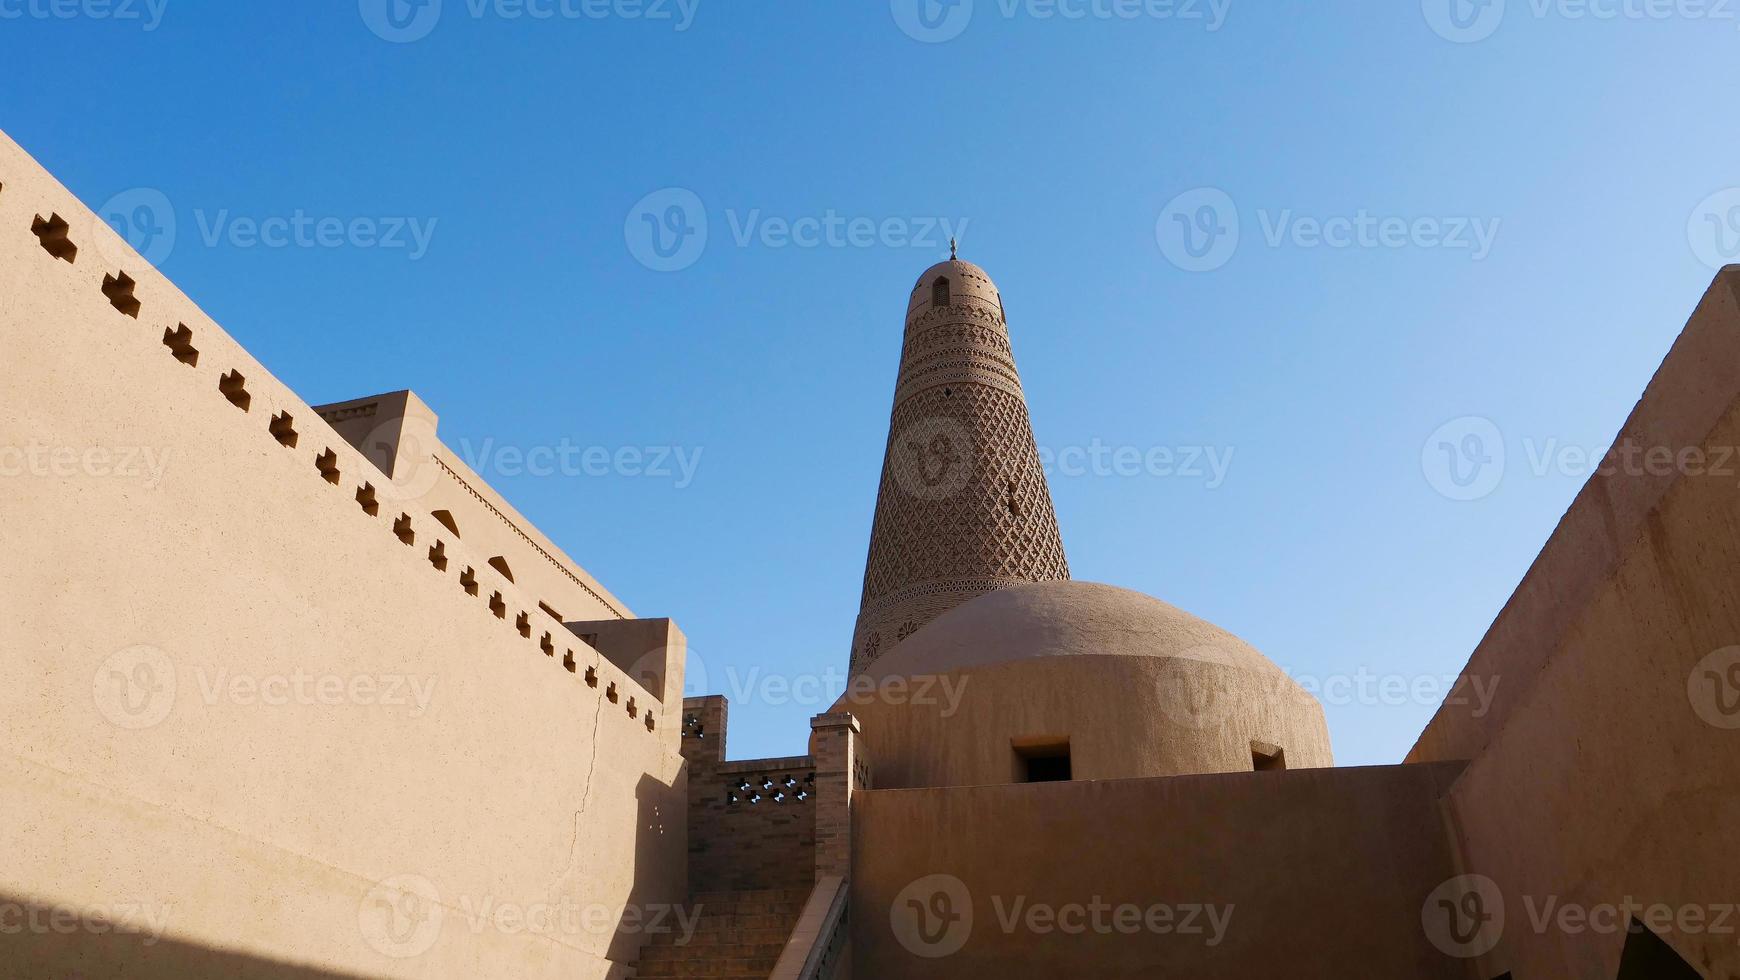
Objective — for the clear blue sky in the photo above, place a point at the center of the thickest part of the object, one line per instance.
(1595, 144)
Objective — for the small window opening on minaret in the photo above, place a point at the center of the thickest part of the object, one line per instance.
(939, 292)
(1042, 760)
(1267, 758)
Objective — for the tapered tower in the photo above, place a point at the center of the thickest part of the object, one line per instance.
(963, 507)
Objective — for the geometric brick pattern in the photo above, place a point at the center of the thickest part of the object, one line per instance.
(963, 507)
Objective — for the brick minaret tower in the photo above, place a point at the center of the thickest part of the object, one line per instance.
(963, 508)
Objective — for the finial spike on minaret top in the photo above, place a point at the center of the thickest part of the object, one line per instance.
(952, 250)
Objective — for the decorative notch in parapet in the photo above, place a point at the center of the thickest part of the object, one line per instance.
(327, 464)
(179, 340)
(119, 289)
(365, 498)
(283, 429)
(52, 233)
(235, 388)
(779, 789)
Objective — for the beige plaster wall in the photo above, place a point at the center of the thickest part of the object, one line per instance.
(1607, 773)
(232, 699)
(1123, 717)
(1324, 872)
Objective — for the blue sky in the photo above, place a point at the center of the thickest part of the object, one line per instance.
(1525, 199)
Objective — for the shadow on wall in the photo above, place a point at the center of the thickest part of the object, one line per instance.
(658, 819)
(42, 940)
(42, 949)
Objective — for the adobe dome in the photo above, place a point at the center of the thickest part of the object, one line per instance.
(965, 280)
(1063, 619)
(1122, 684)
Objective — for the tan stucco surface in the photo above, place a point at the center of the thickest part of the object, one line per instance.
(1324, 872)
(228, 693)
(1601, 778)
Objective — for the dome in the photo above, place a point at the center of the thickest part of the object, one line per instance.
(1118, 684)
(1063, 619)
(965, 280)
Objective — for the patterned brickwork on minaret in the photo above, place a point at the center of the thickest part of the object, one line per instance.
(963, 507)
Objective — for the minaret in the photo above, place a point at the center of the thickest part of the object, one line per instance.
(963, 508)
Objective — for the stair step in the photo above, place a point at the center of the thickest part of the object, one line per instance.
(734, 935)
(721, 937)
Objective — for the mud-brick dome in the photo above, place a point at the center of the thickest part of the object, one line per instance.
(965, 281)
(1124, 684)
